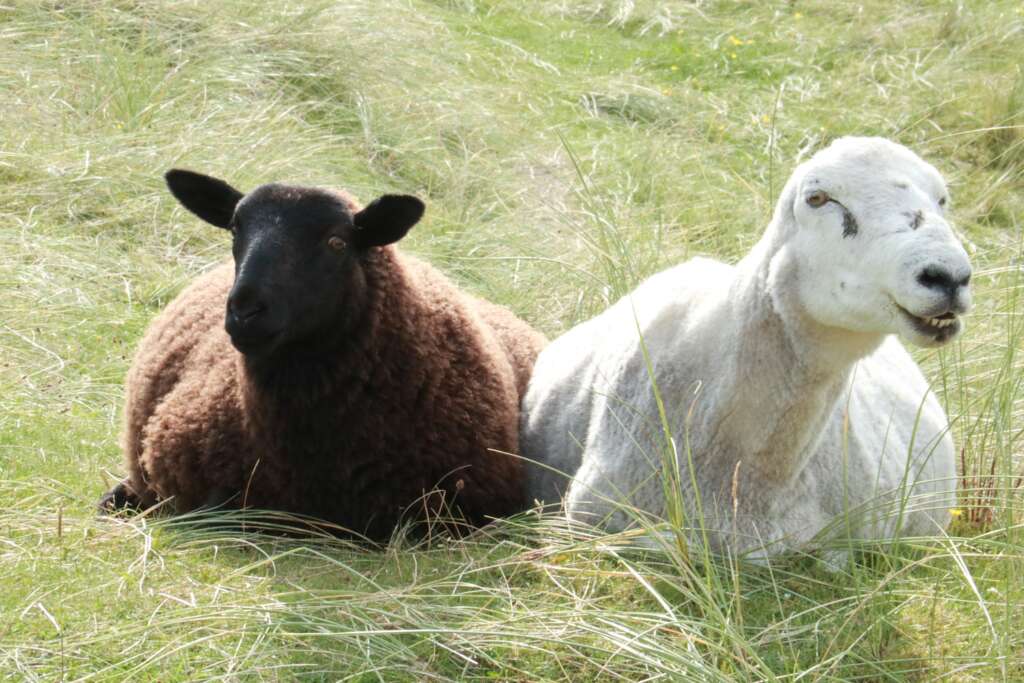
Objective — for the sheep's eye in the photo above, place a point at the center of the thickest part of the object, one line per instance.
(942, 201)
(336, 243)
(817, 199)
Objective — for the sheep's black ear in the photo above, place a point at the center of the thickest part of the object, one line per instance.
(211, 199)
(386, 220)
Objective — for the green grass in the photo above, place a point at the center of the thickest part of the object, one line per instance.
(565, 149)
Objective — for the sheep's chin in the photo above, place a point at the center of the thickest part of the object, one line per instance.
(254, 348)
(928, 332)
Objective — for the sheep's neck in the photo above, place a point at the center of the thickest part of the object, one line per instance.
(788, 376)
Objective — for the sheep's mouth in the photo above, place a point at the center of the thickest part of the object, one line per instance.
(939, 329)
(253, 344)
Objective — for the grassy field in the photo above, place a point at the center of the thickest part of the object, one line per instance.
(565, 149)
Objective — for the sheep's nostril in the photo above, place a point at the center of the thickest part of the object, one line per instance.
(934, 277)
(246, 310)
(250, 313)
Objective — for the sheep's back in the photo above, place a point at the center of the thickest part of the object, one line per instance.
(520, 342)
(495, 330)
(448, 389)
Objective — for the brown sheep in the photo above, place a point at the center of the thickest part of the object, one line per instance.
(346, 381)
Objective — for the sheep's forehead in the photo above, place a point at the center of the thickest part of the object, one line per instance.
(871, 164)
(294, 207)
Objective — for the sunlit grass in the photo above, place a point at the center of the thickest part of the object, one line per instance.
(566, 150)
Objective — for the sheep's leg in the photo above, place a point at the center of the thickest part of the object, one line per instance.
(121, 497)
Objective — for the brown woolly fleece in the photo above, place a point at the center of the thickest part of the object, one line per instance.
(410, 403)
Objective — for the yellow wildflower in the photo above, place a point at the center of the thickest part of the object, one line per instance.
(956, 512)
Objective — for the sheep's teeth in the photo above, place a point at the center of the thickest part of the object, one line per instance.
(940, 322)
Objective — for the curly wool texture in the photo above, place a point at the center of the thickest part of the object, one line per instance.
(408, 404)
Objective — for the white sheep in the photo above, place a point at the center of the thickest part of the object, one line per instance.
(779, 376)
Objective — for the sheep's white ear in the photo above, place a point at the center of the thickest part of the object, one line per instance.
(784, 217)
(386, 220)
(211, 199)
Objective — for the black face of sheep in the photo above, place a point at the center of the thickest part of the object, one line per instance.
(297, 254)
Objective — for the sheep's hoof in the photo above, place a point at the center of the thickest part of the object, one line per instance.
(118, 498)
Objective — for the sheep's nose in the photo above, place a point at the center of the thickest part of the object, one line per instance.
(245, 306)
(941, 279)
